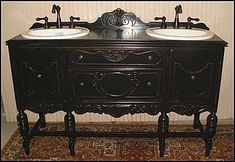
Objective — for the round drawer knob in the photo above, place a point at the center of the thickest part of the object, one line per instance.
(150, 58)
(39, 76)
(149, 84)
(81, 84)
(193, 77)
(80, 57)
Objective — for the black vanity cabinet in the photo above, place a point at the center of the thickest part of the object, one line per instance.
(109, 72)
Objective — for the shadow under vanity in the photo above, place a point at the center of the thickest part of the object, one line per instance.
(117, 69)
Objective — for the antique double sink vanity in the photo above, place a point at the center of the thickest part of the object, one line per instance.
(117, 65)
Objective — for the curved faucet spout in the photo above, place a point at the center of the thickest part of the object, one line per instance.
(178, 10)
(55, 9)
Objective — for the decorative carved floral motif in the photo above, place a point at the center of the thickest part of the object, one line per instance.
(117, 110)
(118, 18)
(43, 107)
(187, 108)
(115, 55)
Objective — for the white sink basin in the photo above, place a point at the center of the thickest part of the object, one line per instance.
(58, 33)
(180, 34)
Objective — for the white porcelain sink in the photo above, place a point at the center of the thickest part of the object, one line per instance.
(179, 34)
(56, 33)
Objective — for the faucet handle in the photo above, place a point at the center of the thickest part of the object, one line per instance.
(163, 18)
(189, 23)
(43, 18)
(71, 21)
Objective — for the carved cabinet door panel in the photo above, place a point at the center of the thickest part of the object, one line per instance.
(36, 74)
(193, 74)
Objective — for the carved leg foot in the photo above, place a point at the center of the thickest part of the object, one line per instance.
(43, 121)
(163, 124)
(161, 146)
(24, 129)
(71, 145)
(70, 131)
(210, 131)
(196, 118)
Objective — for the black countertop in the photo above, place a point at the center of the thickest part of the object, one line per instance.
(107, 36)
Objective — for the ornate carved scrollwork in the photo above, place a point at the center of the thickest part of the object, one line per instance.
(115, 55)
(118, 18)
(129, 79)
(187, 108)
(43, 107)
(117, 110)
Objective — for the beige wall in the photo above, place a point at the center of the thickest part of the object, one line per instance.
(17, 17)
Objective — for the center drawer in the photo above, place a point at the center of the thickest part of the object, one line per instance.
(117, 84)
(78, 56)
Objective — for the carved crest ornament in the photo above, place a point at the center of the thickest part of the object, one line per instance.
(118, 18)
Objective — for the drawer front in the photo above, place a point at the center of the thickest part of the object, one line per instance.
(117, 84)
(115, 56)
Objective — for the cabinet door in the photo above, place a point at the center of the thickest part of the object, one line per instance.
(36, 74)
(192, 74)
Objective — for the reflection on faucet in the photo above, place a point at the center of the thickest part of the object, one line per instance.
(178, 10)
(58, 21)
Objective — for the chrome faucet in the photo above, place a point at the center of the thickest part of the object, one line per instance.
(58, 20)
(178, 10)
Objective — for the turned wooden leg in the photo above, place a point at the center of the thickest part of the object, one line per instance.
(43, 120)
(23, 129)
(196, 118)
(210, 131)
(70, 131)
(163, 123)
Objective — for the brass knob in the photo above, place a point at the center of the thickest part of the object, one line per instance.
(80, 57)
(149, 84)
(39, 76)
(150, 57)
(193, 77)
(81, 84)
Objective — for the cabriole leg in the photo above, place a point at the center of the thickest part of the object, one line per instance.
(210, 131)
(70, 130)
(24, 129)
(163, 123)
